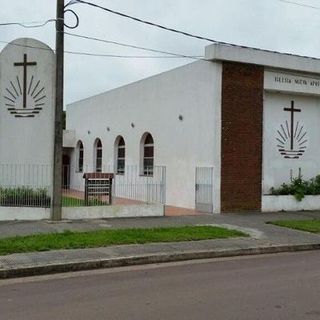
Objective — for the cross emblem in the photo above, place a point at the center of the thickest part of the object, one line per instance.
(292, 137)
(25, 64)
(292, 110)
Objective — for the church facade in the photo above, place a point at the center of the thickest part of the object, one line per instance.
(227, 129)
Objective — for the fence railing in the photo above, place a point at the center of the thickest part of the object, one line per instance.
(25, 185)
(30, 186)
(129, 187)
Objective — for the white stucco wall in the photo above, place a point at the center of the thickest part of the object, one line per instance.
(117, 211)
(26, 143)
(24, 214)
(69, 139)
(289, 203)
(154, 105)
(78, 213)
(281, 89)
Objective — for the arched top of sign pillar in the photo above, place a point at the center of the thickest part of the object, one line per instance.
(28, 44)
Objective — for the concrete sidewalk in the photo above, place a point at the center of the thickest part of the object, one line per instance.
(264, 239)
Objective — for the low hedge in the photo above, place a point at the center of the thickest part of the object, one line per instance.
(299, 188)
(24, 197)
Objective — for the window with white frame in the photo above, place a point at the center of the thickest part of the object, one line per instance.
(120, 155)
(80, 155)
(148, 155)
(98, 155)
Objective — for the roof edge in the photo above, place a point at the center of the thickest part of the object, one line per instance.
(273, 59)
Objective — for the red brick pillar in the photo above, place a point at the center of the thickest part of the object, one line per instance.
(242, 120)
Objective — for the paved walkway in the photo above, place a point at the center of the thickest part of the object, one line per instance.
(264, 238)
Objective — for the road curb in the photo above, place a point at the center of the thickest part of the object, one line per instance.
(33, 270)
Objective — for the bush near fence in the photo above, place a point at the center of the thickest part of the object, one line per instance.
(24, 197)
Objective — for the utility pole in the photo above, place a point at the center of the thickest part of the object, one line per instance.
(56, 209)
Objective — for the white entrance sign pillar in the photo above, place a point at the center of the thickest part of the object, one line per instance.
(27, 74)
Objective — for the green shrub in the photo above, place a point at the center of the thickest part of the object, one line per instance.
(299, 188)
(24, 197)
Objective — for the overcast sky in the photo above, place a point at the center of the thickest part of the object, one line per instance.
(268, 24)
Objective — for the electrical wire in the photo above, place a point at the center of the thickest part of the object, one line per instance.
(147, 22)
(127, 56)
(35, 24)
(171, 55)
(72, 2)
(131, 46)
(300, 4)
(101, 54)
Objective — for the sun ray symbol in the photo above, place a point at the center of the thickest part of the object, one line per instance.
(35, 98)
(24, 98)
(284, 141)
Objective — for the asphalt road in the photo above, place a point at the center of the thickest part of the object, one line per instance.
(283, 286)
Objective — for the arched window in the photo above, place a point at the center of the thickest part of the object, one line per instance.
(98, 155)
(80, 154)
(147, 146)
(120, 151)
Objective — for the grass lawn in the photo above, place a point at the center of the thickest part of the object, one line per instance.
(74, 202)
(104, 238)
(303, 225)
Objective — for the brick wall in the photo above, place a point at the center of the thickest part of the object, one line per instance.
(242, 113)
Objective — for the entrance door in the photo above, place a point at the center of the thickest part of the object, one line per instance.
(65, 171)
(204, 189)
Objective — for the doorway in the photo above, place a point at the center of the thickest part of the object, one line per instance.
(204, 189)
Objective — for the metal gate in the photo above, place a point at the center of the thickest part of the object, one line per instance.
(204, 189)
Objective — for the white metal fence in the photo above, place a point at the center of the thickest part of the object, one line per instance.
(25, 185)
(129, 187)
(30, 186)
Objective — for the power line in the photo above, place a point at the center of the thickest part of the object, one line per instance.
(173, 55)
(38, 24)
(101, 54)
(131, 46)
(147, 22)
(41, 24)
(127, 56)
(34, 24)
(300, 4)
(183, 32)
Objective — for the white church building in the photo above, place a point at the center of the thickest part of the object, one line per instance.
(224, 131)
